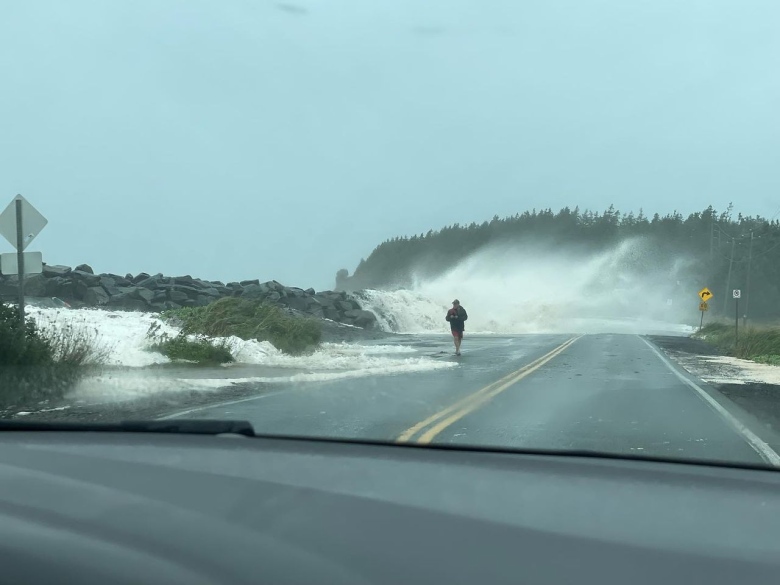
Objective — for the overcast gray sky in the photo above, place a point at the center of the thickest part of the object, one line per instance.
(257, 139)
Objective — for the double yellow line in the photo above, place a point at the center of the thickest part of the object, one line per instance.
(435, 424)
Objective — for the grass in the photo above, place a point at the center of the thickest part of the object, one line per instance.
(199, 350)
(757, 343)
(250, 319)
(42, 364)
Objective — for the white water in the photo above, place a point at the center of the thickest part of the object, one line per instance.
(128, 371)
(526, 290)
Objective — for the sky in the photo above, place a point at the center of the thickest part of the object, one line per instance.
(278, 140)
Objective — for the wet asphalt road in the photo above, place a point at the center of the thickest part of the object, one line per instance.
(606, 393)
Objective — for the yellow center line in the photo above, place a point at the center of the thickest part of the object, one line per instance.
(473, 401)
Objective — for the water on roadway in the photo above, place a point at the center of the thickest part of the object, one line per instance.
(608, 393)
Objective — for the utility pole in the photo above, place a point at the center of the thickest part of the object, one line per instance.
(747, 280)
(728, 278)
(712, 240)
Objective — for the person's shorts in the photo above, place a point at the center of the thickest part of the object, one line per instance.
(458, 334)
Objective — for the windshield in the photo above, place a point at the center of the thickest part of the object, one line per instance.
(518, 225)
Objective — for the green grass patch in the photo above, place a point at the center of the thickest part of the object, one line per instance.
(758, 343)
(250, 319)
(198, 350)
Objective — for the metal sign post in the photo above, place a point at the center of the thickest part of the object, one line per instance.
(736, 293)
(703, 306)
(20, 258)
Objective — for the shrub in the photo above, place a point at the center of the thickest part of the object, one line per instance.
(199, 350)
(250, 319)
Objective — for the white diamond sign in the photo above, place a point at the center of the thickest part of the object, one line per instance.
(32, 222)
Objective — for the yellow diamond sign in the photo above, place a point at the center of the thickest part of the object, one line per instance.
(705, 294)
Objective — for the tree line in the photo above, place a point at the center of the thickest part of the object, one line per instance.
(730, 251)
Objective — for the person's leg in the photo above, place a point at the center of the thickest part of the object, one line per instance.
(458, 341)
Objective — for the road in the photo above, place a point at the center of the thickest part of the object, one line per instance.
(607, 393)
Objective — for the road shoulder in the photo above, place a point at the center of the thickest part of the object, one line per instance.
(754, 388)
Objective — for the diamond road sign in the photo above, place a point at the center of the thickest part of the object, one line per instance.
(32, 222)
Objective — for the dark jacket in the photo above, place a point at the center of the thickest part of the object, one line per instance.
(457, 318)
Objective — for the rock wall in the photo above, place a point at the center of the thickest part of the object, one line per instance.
(143, 292)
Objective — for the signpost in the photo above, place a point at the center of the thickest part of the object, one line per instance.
(737, 294)
(705, 295)
(20, 222)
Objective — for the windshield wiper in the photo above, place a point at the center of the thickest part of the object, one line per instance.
(183, 426)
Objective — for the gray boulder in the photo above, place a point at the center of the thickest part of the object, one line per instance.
(143, 294)
(112, 290)
(56, 270)
(35, 285)
(96, 296)
(360, 318)
(87, 278)
(107, 281)
(310, 292)
(248, 282)
(177, 296)
(59, 287)
(126, 302)
(139, 278)
(85, 268)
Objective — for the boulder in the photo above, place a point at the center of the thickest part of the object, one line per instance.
(347, 305)
(56, 270)
(126, 302)
(152, 283)
(112, 290)
(360, 318)
(80, 289)
(295, 292)
(87, 278)
(177, 296)
(184, 280)
(204, 300)
(123, 281)
(297, 303)
(248, 282)
(143, 294)
(85, 268)
(35, 285)
(129, 277)
(331, 313)
(310, 292)
(59, 287)
(190, 291)
(254, 291)
(211, 292)
(139, 278)
(96, 296)
(234, 285)
(107, 281)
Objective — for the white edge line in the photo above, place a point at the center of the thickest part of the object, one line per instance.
(217, 405)
(759, 445)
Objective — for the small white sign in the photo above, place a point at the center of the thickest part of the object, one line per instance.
(33, 263)
(737, 293)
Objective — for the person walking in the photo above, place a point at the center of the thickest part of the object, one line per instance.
(456, 317)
